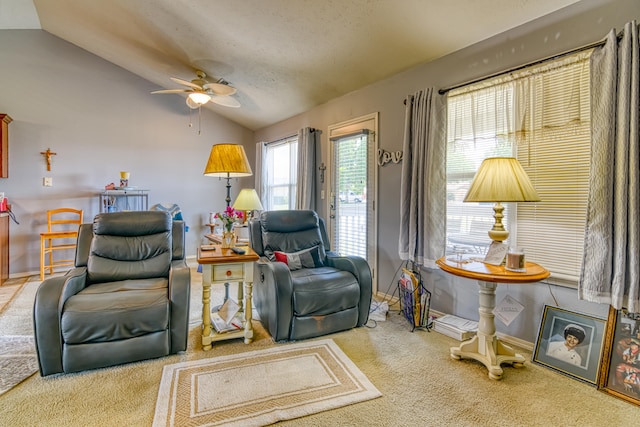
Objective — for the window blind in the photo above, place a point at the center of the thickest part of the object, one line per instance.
(541, 116)
(280, 165)
(352, 159)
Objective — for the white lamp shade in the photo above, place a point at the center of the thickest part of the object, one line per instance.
(199, 98)
(501, 179)
(248, 200)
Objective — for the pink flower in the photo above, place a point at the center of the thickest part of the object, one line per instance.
(229, 217)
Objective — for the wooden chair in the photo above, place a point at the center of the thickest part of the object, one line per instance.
(62, 225)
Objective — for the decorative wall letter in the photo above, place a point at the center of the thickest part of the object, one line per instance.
(385, 157)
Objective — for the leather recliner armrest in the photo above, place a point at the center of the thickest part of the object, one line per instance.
(50, 298)
(359, 267)
(179, 296)
(273, 292)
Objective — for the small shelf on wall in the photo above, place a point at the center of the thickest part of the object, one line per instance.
(4, 146)
(124, 200)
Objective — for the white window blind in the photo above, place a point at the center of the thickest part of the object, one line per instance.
(541, 116)
(280, 164)
(353, 159)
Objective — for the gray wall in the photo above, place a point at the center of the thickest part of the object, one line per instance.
(574, 26)
(99, 119)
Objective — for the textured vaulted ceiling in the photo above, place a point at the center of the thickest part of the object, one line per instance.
(283, 56)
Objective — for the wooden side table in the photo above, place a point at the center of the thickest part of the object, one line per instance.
(221, 266)
(485, 347)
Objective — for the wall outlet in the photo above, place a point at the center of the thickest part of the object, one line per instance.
(47, 181)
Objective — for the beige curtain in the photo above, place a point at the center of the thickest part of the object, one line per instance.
(611, 263)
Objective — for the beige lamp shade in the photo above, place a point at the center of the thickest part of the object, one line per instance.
(248, 200)
(227, 161)
(501, 179)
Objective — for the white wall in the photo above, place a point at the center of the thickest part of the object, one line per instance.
(574, 26)
(99, 119)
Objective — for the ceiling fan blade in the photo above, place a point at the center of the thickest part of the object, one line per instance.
(171, 91)
(220, 89)
(186, 83)
(226, 101)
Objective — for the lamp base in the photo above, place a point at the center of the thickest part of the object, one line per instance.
(498, 233)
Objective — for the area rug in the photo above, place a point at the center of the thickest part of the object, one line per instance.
(260, 387)
(17, 360)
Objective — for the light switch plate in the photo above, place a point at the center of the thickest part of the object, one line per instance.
(47, 181)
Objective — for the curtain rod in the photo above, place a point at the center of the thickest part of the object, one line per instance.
(520, 67)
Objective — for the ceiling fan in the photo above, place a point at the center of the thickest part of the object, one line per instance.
(202, 91)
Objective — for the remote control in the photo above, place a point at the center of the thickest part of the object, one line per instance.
(238, 251)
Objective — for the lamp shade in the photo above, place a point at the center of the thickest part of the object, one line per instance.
(227, 160)
(501, 179)
(248, 200)
(198, 98)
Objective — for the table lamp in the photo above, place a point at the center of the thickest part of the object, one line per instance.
(247, 200)
(227, 161)
(501, 179)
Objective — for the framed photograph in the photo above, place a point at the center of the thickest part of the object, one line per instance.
(620, 373)
(570, 343)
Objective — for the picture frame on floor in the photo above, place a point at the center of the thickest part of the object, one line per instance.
(620, 372)
(570, 343)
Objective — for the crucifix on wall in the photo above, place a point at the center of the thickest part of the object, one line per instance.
(47, 154)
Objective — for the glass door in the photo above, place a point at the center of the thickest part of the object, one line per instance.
(352, 222)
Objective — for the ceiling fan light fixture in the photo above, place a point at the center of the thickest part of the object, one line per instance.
(199, 98)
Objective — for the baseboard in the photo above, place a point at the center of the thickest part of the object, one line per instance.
(517, 342)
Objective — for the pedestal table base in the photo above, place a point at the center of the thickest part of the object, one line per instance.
(485, 347)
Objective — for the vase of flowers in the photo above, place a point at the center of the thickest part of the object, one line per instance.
(228, 218)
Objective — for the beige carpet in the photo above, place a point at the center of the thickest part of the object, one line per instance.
(17, 348)
(420, 384)
(17, 360)
(260, 387)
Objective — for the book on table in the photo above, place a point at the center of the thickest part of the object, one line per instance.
(221, 326)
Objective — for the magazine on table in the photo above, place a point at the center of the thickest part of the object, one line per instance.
(227, 318)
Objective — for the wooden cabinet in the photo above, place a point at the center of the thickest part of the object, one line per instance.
(4, 147)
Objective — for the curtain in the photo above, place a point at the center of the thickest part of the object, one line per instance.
(305, 191)
(423, 182)
(261, 178)
(611, 264)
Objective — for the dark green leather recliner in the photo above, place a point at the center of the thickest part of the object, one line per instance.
(317, 292)
(127, 299)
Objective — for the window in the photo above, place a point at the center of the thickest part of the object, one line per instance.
(280, 170)
(540, 115)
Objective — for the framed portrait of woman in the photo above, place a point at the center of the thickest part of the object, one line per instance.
(620, 373)
(570, 343)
